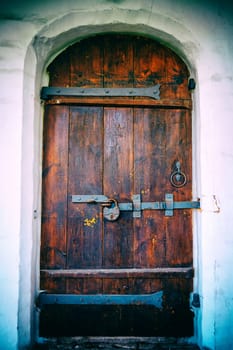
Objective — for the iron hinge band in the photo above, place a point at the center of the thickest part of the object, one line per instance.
(155, 299)
(49, 92)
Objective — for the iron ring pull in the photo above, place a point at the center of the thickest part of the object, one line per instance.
(178, 178)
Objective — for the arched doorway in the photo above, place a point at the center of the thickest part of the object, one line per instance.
(116, 241)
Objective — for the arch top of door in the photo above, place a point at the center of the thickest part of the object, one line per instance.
(134, 157)
(123, 61)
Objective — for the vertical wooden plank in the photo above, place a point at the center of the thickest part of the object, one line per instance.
(147, 285)
(54, 187)
(176, 77)
(118, 61)
(152, 169)
(166, 241)
(118, 152)
(53, 284)
(149, 134)
(84, 285)
(156, 64)
(179, 227)
(85, 177)
(131, 285)
(149, 63)
(179, 239)
(59, 70)
(86, 67)
(117, 286)
(118, 164)
(85, 162)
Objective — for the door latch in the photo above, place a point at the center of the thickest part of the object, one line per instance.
(137, 206)
(112, 208)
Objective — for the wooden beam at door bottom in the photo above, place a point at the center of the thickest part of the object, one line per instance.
(157, 273)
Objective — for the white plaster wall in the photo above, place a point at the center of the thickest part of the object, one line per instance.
(31, 34)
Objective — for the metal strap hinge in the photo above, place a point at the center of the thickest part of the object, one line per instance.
(154, 299)
(48, 92)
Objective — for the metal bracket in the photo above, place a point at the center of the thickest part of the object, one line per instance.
(191, 84)
(169, 204)
(155, 299)
(196, 300)
(48, 92)
(136, 206)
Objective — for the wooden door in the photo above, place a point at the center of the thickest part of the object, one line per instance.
(117, 147)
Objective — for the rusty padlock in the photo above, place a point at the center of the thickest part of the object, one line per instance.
(111, 210)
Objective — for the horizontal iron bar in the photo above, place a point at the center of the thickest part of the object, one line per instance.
(87, 198)
(153, 92)
(125, 206)
(176, 205)
(129, 206)
(99, 199)
(186, 205)
(154, 299)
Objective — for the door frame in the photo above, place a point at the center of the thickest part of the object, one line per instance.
(34, 159)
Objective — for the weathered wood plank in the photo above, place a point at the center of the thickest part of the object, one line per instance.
(149, 247)
(54, 187)
(179, 227)
(184, 272)
(85, 176)
(122, 101)
(156, 64)
(86, 63)
(117, 182)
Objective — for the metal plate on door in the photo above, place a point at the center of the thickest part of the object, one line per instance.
(152, 92)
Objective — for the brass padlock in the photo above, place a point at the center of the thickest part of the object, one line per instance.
(111, 210)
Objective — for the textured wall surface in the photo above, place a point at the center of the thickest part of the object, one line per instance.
(32, 33)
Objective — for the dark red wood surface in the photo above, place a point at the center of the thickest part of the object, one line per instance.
(117, 150)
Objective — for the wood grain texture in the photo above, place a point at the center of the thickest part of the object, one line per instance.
(121, 101)
(85, 170)
(54, 188)
(118, 147)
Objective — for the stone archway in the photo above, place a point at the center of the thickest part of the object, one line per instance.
(45, 50)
